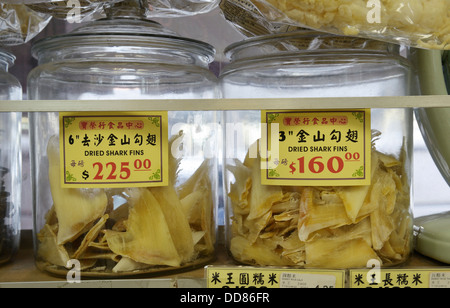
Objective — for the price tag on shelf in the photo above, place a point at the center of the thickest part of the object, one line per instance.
(114, 149)
(322, 147)
(400, 278)
(269, 277)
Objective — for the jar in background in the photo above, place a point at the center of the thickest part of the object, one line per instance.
(433, 69)
(304, 224)
(126, 231)
(446, 65)
(10, 162)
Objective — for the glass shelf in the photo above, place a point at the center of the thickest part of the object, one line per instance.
(228, 104)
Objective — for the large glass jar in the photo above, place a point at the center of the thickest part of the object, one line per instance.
(433, 122)
(303, 223)
(126, 231)
(10, 162)
(446, 64)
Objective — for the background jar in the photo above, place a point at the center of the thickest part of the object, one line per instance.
(288, 232)
(130, 58)
(10, 162)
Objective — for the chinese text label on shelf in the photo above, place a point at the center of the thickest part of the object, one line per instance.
(400, 278)
(114, 150)
(248, 277)
(320, 147)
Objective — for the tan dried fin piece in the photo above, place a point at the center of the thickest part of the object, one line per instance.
(128, 265)
(262, 197)
(353, 197)
(255, 226)
(316, 215)
(191, 206)
(100, 255)
(176, 221)
(239, 190)
(256, 253)
(49, 249)
(75, 209)
(192, 184)
(141, 229)
(337, 254)
(200, 182)
(147, 239)
(207, 218)
(329, 227)
(90, 237)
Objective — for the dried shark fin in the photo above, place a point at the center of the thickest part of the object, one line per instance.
(176, 221)
(76, 209)
(147, 239)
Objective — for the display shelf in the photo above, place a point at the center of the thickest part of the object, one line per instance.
(22, 273)
(227, 104)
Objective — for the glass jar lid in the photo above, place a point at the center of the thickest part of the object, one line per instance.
(128, 37)
(7, 59)
(304, 41)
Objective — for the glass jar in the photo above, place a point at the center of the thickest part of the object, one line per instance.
(126, 58)
(10, 162)
(446, 64)
(302, 222)
(433, 122)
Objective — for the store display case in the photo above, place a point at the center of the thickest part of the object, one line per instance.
(10, 162)
(304, 200)
(47, 100)
(140, 195)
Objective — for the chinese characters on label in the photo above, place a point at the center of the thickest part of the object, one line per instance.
(222, 277)
(252, 277)
(320, 147)
(400, 278)
(114, 150)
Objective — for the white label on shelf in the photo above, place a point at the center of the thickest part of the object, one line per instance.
(440, 280)
(296, 280)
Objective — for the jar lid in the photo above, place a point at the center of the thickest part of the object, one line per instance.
(124, 34)
(432, 234)
(301, 42)
(7, 57)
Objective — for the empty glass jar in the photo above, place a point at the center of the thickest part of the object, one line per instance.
(10, 162)
(433, 122)
(126, 230)
(446, 64)
(283, 210)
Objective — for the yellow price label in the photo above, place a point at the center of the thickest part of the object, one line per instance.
(316, 148)
(400, 278)
(115, 149)
(272, 278)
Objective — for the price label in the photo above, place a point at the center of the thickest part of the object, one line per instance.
(300, 280)
(114, 150)
(440, 280)
(321, 148)
(419, 278)
(272, 277)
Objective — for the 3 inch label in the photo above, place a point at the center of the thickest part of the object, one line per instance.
(319, 147)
